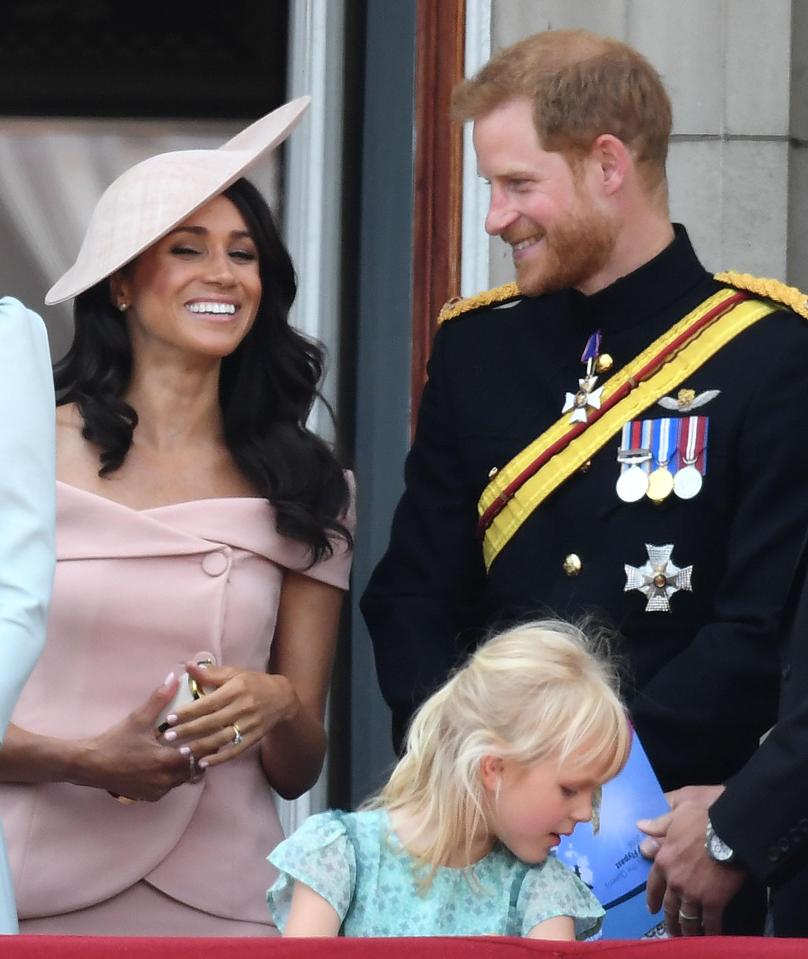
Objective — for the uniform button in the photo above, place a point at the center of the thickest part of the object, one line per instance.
(214, 564)
(804, 825)
(774, 853)
(572, 564)
(786, 671)
(784, 844)
(794, 835)
(603, 363)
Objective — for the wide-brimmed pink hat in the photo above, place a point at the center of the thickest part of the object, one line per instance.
(154, 196)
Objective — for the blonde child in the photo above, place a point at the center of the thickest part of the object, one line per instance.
(503, 760)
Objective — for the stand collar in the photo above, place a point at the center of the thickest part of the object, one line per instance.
(646, 292)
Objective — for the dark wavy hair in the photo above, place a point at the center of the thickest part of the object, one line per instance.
(267, 388)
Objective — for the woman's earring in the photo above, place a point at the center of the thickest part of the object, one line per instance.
(122, 306)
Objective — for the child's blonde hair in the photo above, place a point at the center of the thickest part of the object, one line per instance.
(535, 692)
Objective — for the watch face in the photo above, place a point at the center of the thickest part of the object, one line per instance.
(717, 848)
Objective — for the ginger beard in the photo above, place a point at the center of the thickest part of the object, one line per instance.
(569, 253)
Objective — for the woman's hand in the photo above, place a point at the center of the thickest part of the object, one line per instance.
(241, 701)
(128, 760)
(281, 710)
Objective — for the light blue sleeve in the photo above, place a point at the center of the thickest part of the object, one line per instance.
(27, 507)
(27, 496)
(552, 889)
(319, 854)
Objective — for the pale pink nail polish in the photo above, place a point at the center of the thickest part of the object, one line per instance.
(203, 764)
(185, 750)
(171, 718)
(168, 678)
(170, 736)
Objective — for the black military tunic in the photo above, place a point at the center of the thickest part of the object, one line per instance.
(703, 677)
(763, 814)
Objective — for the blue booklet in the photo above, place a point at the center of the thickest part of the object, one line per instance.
(610, 861)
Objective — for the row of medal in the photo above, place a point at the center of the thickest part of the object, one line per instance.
(662, 456)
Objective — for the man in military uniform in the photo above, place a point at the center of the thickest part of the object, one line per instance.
(617, 434)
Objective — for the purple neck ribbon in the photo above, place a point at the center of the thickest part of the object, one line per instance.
(592, 348)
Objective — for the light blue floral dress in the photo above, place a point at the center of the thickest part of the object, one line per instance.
(356, 862)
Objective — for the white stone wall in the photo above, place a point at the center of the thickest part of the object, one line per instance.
(736, 71)
(797, 256)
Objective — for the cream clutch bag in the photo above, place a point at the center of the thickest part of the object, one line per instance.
(188, 690)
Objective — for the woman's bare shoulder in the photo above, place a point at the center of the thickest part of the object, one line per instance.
(76, 459)
(68, 418)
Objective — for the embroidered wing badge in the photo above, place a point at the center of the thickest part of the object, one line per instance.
(686, 400)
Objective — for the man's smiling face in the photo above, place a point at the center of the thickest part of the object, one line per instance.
(543, 207)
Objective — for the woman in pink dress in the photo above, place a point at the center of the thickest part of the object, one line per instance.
(197, 517)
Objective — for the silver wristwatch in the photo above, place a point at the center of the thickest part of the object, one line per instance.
(716, 848)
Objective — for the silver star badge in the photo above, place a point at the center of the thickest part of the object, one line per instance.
(658, 579)
(587, 397)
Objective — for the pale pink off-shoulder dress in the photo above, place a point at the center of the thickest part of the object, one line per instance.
(136, 594)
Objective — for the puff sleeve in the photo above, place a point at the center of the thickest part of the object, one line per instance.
(319, 854)
(551, 889)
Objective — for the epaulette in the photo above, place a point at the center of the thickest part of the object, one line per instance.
(455, 308)
(768, 289)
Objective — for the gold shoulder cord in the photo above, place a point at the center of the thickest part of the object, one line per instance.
(769, 289)
(499, 294)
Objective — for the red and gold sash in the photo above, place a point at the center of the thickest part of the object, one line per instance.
(532, 475)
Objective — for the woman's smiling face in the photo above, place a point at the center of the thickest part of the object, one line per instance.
(196, 290)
